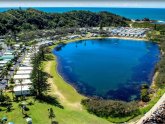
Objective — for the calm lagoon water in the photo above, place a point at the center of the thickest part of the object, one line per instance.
(108, 68)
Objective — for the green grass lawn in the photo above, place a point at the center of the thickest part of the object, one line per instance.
(39, 114)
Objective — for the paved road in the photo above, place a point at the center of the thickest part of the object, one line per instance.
(153, 109)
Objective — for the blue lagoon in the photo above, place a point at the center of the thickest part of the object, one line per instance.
(108, 68)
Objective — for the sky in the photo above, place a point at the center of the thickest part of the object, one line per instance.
(84, 3)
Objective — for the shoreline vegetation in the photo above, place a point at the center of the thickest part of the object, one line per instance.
(115, 119)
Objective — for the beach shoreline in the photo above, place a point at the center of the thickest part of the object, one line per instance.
(129, 38)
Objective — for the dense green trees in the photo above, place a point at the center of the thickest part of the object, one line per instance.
(38, 76)
(4, 99)
(31, 19)
(144, 93)
(110, 108)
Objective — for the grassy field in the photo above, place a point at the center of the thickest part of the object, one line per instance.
(39, 114)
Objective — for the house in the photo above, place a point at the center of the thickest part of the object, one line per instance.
(22, 90)
(8, 57)
(3, 62)
(17, 46)
(8, 53)
(24, 82)
(27, 59)
(73, 36)
(25, 68)
(24, 72)
(21, 77)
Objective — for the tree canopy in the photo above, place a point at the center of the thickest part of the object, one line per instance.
(31, 19)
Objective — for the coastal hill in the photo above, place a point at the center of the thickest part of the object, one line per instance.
(31, 19)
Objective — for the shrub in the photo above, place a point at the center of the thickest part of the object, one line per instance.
(144, 93)
(12, 81)
(110, 108)
(30, 103)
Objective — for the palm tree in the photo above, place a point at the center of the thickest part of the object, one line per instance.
(42, 52)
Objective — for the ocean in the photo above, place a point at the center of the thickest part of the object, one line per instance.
(131, 13)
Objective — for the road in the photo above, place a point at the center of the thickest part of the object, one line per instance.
(153, 109)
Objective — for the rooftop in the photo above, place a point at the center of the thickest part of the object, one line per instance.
(23, 87)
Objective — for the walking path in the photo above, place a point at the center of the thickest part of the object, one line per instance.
(153, 109)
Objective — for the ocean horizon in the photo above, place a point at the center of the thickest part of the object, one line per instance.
(131, 13)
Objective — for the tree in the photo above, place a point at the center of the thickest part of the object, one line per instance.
(38, 76)
(14, 21)
(12, 81)
(8, 66)
(51, 114)
(9, 42)
(42, 52)
(4, 73)
(4, 99)
(20, 82)
(155, 27)
(1, 48)
(144, 93)
(9, 107)
(101, 25)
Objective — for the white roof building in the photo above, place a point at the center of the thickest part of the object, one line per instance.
(23, 72)
(22, 77)
(25, 68)
(3, 62)
(27, 64)
(24, 82)
(27, 59)
(22, 90)
(8, 53)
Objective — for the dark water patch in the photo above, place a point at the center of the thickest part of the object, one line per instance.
(146, 65)
(127, 92)
(71, 78)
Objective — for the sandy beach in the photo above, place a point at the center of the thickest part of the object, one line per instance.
(130, 38)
